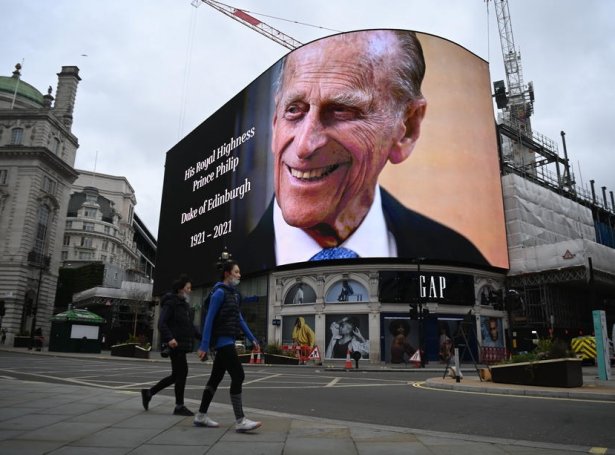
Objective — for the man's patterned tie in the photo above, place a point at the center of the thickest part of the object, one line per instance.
(334, 253)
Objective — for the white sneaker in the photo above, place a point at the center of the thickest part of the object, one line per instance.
(243, 425)
(201, 420)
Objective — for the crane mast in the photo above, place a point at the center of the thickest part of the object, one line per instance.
(252, 22)
(520, 97)
(524, 149)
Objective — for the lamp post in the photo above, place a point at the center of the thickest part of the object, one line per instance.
(418, 312)
(41, 262)
(223, 258)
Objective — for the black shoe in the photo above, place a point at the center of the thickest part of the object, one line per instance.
(146, 397)
(182, 411)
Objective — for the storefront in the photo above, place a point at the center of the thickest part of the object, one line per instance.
(364, 309)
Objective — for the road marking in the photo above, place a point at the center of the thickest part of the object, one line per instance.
(332, 383)
(421, 385)
(598, 450)
(262, 379)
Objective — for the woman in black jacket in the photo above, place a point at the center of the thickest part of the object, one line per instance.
(177, 332)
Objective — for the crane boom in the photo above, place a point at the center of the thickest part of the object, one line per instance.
(252, 22)
(521, 97)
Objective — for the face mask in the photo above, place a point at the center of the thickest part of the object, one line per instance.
(235, 281)
(187, 297)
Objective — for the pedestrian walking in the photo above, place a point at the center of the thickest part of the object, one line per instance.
(177, 331)
(222, 327)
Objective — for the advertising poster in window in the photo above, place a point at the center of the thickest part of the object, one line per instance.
(346, 291)
(300, 293)
(396, 159)
(298, 330)
(492, 332)
(401, 339)
(347, 333)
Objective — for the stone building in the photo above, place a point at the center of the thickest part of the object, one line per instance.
(37, 156)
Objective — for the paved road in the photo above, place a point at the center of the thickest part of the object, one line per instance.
(381, 398)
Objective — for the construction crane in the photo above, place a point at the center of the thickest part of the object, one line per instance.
(519, 101)
(252, 22)
(522, 148)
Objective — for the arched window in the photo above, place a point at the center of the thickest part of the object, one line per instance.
(346, 291)
(300, 293)
(16, 136)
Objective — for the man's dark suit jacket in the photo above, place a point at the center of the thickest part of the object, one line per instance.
(416, 236)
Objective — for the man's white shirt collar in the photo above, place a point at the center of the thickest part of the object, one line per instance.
(371, 239)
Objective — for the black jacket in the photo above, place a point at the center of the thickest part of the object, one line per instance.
(415, 236)
(176, 321)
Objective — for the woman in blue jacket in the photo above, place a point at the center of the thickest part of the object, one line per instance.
(223, 325)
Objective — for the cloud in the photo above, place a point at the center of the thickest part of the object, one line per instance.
(156, 69)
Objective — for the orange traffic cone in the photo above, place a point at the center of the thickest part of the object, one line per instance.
(348, 363)
(259, 360)
(252, 357)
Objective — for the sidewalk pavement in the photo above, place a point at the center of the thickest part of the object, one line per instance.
(44, 418)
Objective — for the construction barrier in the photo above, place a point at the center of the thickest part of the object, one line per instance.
(490, 355)
(584, 347)
(255, 357)
(415, 359)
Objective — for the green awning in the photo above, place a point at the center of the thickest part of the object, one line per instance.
(76, 315)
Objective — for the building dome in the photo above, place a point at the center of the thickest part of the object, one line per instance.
(26, 93)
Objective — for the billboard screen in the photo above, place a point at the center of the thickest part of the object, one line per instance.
(367, 144)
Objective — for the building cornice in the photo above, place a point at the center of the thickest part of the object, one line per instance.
(40, 153)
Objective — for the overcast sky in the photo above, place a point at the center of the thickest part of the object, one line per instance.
(153, 70)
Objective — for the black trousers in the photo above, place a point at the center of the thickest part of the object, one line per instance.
(179, 373)
(226, 359)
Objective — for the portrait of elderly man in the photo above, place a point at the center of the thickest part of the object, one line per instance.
(345, 107)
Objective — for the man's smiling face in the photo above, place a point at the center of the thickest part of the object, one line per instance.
(333, 131)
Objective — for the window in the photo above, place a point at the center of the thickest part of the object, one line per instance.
(107, 229)
(56, 145)
(85, 255)
(103, 258)
(64, 255)
(86, 242)
(89, 213)
(66, 240)
(49, 185)
(105, 245)
(88, 227)
(41, 229)
(113, 247)
(4, 176)
(16, 136)
(69, 225)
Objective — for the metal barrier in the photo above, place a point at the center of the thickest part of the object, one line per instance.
(490, 355)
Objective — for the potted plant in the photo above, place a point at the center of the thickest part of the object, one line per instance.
(550, 364)
(133, 347)
(22, 339)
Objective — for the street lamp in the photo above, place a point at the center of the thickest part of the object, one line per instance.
(40, 261)
(224, 257)
(418, 312)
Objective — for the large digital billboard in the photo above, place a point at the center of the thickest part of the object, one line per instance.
(367, 144)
